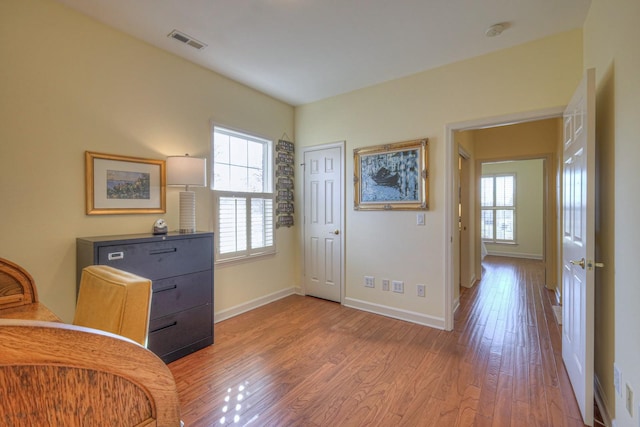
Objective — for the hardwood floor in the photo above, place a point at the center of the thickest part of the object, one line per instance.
(303, 361)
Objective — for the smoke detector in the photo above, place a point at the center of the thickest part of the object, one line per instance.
(188, 40)
(495, 30)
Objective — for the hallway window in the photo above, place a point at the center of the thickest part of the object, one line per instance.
(243, 194)
(498, 213)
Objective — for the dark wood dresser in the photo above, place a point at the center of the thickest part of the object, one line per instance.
(181, 269)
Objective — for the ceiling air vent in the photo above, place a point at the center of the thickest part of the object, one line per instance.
(183, 38)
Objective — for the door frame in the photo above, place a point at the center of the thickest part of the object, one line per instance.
(466, 209)
(451, 212)
(464, 192)
(342, 146)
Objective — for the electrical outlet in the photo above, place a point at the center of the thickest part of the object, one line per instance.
(629, 400)
(385, 284)
(369, 282)
(617, 380)
(421, 291)
(398, 286)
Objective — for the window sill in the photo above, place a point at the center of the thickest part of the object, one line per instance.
(489, 242)
(243, 260)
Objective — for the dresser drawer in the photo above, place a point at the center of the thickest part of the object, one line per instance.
(180, 293)
(157, 260)
(171, 333)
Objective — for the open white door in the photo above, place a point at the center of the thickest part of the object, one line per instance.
(323, 186)
(578, 243)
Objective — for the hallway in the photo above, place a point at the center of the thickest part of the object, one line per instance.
(507, 323)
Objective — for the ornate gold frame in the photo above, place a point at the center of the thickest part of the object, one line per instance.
(407, 164)
(96, 204)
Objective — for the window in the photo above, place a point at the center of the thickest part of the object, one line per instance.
(498, 214)
(243, 194)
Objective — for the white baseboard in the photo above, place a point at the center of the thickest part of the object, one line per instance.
(557, 313)
(396, 313)
(516, 255)
(471, 282)
(558, 297)
(383, 310)
(255, 303)
(456, 305)
(601, 401)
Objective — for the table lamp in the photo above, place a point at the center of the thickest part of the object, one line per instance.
(186, 170)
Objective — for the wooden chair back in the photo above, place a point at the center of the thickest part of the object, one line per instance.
(17, 287)
(58, 374)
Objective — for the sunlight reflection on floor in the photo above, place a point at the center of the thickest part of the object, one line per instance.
(232, 407)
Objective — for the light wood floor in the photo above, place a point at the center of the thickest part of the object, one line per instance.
(303, 361)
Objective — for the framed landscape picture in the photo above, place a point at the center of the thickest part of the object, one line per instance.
(124, 185)
(392, 176)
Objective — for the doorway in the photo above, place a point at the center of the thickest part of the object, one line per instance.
(512, 206)
(524, 150)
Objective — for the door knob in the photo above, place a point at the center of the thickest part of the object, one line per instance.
(591, 264)
(580, 263)
(336, 232)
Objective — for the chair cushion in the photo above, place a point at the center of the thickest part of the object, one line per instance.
(114, 301)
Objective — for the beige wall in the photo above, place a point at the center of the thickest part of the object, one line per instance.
(611, 46)
(529, 230)
(534, 76)
(69, 84)
(520, 140)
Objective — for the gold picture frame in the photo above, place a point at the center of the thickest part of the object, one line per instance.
(392, 176)
(124, 185)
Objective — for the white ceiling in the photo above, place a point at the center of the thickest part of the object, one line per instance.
(301, 51)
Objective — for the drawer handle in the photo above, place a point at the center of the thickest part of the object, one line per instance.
(167, 288)
(164, 327)
(115, 255)
(162, 251)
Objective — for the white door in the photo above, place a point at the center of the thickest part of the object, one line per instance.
(323, 184)
(578, 243)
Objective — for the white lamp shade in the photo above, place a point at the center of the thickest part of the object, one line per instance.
(186, 170)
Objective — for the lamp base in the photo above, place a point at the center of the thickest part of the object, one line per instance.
(187, 212)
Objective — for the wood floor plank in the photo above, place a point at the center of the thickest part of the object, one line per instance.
(302, 361)
(468, 406)
(504, 397)
(537, 397)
